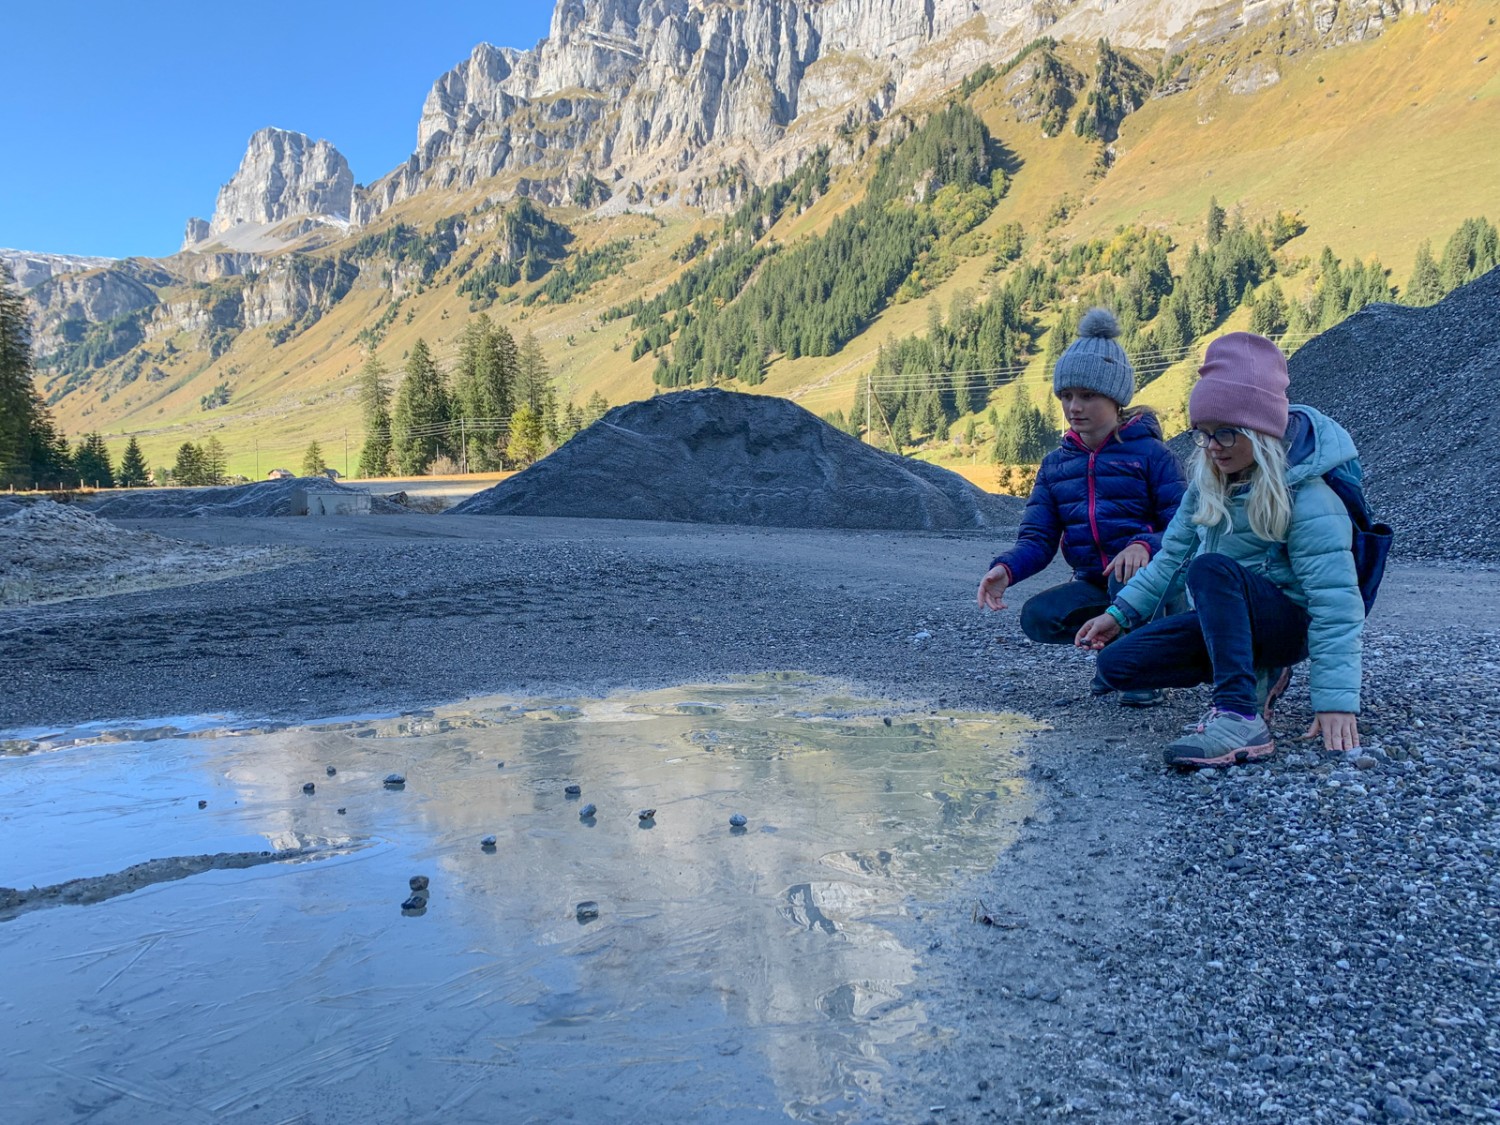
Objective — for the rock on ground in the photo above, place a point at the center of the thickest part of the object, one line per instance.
(713, 456)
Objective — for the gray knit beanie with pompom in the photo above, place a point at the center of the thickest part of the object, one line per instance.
(1094, 362)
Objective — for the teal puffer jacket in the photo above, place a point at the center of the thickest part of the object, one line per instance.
(1314, 567)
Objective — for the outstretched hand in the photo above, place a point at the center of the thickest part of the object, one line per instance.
(992, 587)
(1340, 730)
(1125, 565)
(1097, 632)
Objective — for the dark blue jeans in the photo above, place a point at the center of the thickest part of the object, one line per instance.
(1054, 616)
(1240, 622)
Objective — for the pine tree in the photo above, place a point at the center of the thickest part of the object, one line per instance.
(17, 395)
(483, 389)
(1268, 318)
(188, 470)
(215, 462)
(47, 463)
(420, 421)
(527, 441)
(596, 407)
(375, 410)
(92, 464)
(312, 460)
(1426, 284)
(1214, 226)
(533, 378)
(132, 472)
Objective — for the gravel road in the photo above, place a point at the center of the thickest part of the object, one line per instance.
(1311, 940)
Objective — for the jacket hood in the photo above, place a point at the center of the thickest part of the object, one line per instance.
(1316, 444)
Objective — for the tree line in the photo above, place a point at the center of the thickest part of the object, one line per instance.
(497, 409)
(922, 384)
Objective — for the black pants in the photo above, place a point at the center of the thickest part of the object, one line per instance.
(1054, 616)
(1240, 622)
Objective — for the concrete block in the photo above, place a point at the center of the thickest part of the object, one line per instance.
(309, 502)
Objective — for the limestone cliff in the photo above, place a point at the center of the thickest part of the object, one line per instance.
(654, 97)
(283, 176)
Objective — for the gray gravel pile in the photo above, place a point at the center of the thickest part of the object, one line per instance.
(261, 498)
(713, 456)
(1416, 388)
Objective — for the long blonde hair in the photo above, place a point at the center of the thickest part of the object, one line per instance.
(1270, 504)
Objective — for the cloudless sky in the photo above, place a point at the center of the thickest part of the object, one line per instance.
(119, 120)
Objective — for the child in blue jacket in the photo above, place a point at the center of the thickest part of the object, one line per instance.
(1105, 495)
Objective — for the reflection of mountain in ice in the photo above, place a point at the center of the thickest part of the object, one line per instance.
(744, 974)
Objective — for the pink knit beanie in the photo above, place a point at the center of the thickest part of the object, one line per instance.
(1243, 383)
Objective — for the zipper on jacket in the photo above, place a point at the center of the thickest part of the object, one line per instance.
(1093, 520)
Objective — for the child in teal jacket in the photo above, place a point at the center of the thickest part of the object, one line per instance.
(1265, 546)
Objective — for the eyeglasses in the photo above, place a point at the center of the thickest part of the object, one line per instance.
(1224, 438)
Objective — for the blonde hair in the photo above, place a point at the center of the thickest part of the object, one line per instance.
(1270, 504)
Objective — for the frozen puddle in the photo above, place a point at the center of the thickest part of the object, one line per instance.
(740, 975)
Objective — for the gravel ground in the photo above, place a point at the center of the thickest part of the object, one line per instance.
(1309, 940)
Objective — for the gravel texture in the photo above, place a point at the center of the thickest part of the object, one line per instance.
(1416, 389)
(717, 457)
(53, 551)
(1313, 939)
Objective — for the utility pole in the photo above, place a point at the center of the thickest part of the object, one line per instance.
(868, 391)
(463, 445)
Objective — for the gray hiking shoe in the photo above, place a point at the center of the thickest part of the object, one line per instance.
(1226, 740)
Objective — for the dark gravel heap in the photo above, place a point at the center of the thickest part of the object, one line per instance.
(1416, 388)
(262, 498)
(713, 456)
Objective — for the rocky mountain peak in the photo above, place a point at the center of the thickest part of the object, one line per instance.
(284, 175)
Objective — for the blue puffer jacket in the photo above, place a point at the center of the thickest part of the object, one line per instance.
(1095, 504)
(1314, 567)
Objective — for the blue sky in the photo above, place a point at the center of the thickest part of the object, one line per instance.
(122, 119)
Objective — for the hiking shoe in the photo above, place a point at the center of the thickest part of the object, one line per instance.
(1147, 697)
(1226, 740)
(1270, 686)
(1197, 726)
